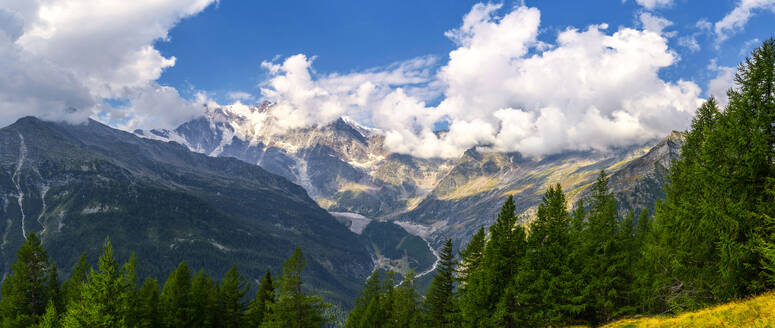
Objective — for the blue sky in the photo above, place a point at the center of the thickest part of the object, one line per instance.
(220, 49)
(538, 77)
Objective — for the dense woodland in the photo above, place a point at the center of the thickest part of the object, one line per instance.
(711, 240)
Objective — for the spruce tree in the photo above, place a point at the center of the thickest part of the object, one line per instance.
(28, 288)
(440, 299)
(50, 318)
(148, 305)
(546, 278)
(203, 302)
(129, 290)
(406, 311)
(603, 273)
(232, 289)
(503, 256)
(260, 305)
(71, 289)
(294, 309)
(103, 299)
(471, 256)
(709, 228)
(361, 315)
(174, 302)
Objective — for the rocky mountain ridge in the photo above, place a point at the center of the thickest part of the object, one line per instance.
(345, 168)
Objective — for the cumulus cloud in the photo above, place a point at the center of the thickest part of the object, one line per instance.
(77, 52)
(653, 4)
(303, 99)
(589, 90)
(735, 20)
(719, 85)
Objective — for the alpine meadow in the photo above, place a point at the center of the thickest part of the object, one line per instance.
(234, 164)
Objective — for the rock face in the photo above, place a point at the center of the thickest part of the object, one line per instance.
(342, 165)
(471, 195)
(345, 168)
(77, 184)
(638, 185)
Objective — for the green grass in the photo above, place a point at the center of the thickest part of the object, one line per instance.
(754, 312)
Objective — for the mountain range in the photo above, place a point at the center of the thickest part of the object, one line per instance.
(229, 188)
(345, 168)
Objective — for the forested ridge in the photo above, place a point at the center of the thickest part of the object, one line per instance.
(711, 240)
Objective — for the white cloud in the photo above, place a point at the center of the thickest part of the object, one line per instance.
(749, 45)
(304, 99)
(703, 24)
(735, 20)
(591, 89)
(653, 4)
(689, 42)
(719, 85)
(240, 95)
(656, 24)
(106, 46)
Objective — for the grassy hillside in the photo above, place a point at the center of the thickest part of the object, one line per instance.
(755, 312)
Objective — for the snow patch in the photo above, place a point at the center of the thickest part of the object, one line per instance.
(99, 208)
(219, 246)
(43, 191)
(302, 175)
(420, 230)
(357, 222)
(17, 180)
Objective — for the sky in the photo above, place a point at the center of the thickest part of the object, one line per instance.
(537, 77)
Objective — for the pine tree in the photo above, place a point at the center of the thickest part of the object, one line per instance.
(470, 278)
(471, 256)
(603, 273)
(710, 225)
(440, 298)
(367, 304)
(232, 289)
(148, 305)
(103, 299)
(503, 256)
(174, 307)
(406, 305)
(50, 318)
(294, 309)
(203, 302)
(71, 289)
(260, 305)
(29, 287)
(627, 256)
(546, 276)
(129, 290)
(677, 286)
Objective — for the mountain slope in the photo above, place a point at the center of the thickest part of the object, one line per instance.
(77, 184)
(342, 165)
(470, 196)
(638, 184)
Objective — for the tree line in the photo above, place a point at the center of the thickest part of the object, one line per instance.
(108, 296)
(711, 240)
